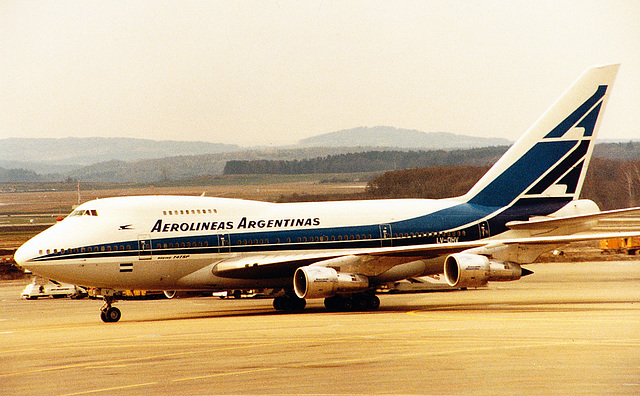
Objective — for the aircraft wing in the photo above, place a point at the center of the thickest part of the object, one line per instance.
(373, 261)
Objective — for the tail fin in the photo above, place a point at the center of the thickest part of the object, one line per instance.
(550, 160)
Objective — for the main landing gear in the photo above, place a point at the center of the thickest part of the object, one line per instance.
(289, 302)
(109, 314)
(345, 303)
(352, 302)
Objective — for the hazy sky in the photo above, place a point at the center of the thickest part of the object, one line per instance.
(273, 72)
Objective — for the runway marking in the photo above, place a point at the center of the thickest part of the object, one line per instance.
(87, 392)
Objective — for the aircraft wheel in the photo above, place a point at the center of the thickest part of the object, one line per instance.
(346, 304)
(374, 302)
(110, 315)
(288, 303)
(298, 303)
(278, 303)
(361, 303)
(332, 303)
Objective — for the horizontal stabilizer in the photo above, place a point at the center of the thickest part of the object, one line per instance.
(555, 222)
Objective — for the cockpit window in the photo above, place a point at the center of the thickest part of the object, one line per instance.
(85, 212)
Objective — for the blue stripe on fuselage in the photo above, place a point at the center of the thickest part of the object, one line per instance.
(463, 219)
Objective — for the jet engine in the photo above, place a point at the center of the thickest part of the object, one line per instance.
(322, 282)
(473, 270)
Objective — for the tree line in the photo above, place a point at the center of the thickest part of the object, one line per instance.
(370, 161)
(609, 183)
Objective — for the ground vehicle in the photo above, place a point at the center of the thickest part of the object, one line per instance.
(35, 290)
(629, 245)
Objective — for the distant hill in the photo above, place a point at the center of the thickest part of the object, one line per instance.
(65, 153)
(390, 137)
(188, 166)
(143, 161)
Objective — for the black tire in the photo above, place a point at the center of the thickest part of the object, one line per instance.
(332, 303)
(113, 315)
(374, 302)
(346, 304)
(298, 303)
(279, 304)
(103, 316)
(360, 303)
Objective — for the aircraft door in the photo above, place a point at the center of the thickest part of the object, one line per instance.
(224, 243)
(483, 230)
(144, 247)
(386, 235)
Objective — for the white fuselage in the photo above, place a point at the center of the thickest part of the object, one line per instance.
(174, 242)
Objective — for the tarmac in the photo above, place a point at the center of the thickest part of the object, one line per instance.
(567, 329)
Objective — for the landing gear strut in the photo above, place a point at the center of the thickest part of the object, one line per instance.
(109, 314)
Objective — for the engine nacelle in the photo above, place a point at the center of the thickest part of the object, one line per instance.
(473, 270)
(322, 282)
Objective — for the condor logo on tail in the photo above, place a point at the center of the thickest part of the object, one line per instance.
(578, 118)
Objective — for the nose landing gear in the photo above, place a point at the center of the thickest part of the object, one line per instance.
(109, 314)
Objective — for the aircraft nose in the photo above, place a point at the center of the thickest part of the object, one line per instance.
(23, 254)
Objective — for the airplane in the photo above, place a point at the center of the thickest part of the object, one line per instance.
(526, 204)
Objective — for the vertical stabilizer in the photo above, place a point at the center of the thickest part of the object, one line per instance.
(550, 160)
